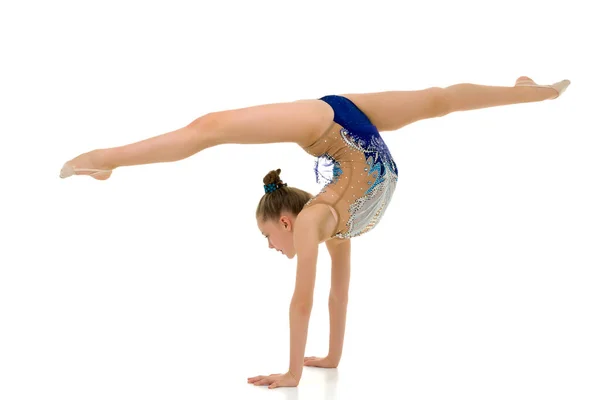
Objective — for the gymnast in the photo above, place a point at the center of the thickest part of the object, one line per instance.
(359, 174)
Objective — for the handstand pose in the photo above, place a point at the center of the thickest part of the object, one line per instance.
(343, 133)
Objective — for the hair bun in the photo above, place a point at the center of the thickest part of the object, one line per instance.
(272, 181)
(273, 177)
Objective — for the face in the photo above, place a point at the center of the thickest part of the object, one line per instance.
(280, 234)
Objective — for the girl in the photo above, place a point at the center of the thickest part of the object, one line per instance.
(342, 131)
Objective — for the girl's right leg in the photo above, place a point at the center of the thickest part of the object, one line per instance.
(391, 110)
(296, 122)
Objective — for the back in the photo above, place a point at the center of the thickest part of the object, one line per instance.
(357, 168)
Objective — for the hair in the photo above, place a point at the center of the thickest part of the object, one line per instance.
(284, 198)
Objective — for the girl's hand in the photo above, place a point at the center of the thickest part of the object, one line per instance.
(322, 362)
(274, 380)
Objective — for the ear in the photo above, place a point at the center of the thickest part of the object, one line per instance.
(286, 222)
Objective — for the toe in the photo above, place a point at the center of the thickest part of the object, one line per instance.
(66, 171)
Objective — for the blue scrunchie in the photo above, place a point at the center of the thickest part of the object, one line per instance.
(271, 187)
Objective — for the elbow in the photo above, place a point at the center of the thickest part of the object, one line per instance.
(301, 306)
(338, 299)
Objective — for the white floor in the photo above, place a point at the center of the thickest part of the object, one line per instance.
(138, 326)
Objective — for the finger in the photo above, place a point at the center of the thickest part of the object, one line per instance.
(274, 384)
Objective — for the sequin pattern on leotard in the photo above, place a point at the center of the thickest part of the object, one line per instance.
(358, 170)
(367, 210)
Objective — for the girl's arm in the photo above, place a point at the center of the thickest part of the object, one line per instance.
(338, 296)
(306, 241)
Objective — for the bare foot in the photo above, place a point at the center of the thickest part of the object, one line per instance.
(526, 81)
(86, 164)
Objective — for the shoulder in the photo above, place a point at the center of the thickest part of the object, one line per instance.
(316, 219)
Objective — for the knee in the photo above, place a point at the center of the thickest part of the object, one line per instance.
(440, 102)
(206, 130)
(206, 123)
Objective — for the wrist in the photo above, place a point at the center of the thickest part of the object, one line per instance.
(295, 373)
(335, 360)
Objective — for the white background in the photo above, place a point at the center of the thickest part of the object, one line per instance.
(157, 283)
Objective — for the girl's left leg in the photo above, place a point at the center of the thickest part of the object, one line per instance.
(297, 122)
(465, 97)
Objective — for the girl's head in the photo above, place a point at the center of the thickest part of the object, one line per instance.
(277, 211)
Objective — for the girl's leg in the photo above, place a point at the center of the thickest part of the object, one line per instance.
(391, 110)
(464, 97)
(297, 122)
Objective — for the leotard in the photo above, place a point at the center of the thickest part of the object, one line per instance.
(358, 170)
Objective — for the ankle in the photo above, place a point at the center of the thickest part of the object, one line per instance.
(102, 159)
